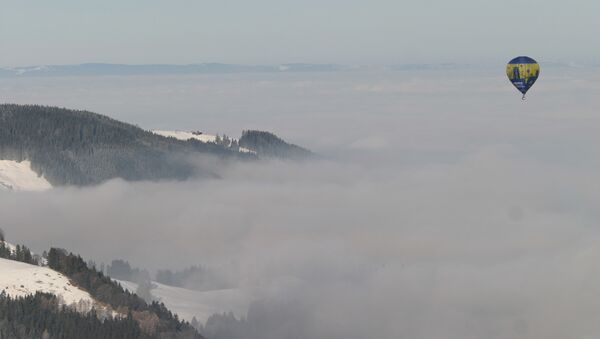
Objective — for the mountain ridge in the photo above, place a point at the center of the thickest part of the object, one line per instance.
(99, 69)
(75, 147)
(71, 147)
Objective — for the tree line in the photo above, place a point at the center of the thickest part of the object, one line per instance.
(20, 253)
(41, 316)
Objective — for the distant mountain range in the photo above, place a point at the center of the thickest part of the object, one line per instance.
(99, 69)
(96, 69)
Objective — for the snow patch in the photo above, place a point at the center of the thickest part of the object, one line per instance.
(246, 150)
(19, 279)
(180, 135)
(18, 176)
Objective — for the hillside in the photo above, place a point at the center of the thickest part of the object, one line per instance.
(224, 141)
(69, 147)
(24, 273)
(19, 279)
(68, 281)
(267, 144)
(41, 147)
(40, 315)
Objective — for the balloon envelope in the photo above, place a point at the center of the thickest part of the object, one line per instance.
(523, 72)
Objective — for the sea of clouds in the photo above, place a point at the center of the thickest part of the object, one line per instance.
(442, 205)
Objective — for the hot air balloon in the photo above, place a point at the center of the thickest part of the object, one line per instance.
(523, 72)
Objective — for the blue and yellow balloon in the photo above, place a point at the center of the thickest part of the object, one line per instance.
(523, 72)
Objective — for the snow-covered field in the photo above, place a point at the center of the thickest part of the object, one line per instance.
(19, 279)
(19, 176)
(200, 304)
(181, 135)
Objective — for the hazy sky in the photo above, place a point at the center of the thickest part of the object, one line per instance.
(281, 31)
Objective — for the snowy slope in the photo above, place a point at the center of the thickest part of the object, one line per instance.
(200, 304)
(19, 176)
(181, 135)
(18, 279)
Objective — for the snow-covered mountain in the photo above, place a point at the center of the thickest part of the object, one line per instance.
(200, 304)
(19, 279)
(18, 176)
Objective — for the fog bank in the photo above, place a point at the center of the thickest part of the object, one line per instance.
(434, 214)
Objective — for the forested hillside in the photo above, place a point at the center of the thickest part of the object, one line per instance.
(82, 148)
(153, 318)
(41, 316)
(269, 145)
(84, 303)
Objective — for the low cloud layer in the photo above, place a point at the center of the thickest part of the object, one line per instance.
(487, 247)
(449, 225)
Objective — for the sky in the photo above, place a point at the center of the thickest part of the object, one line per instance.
(284, 31)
